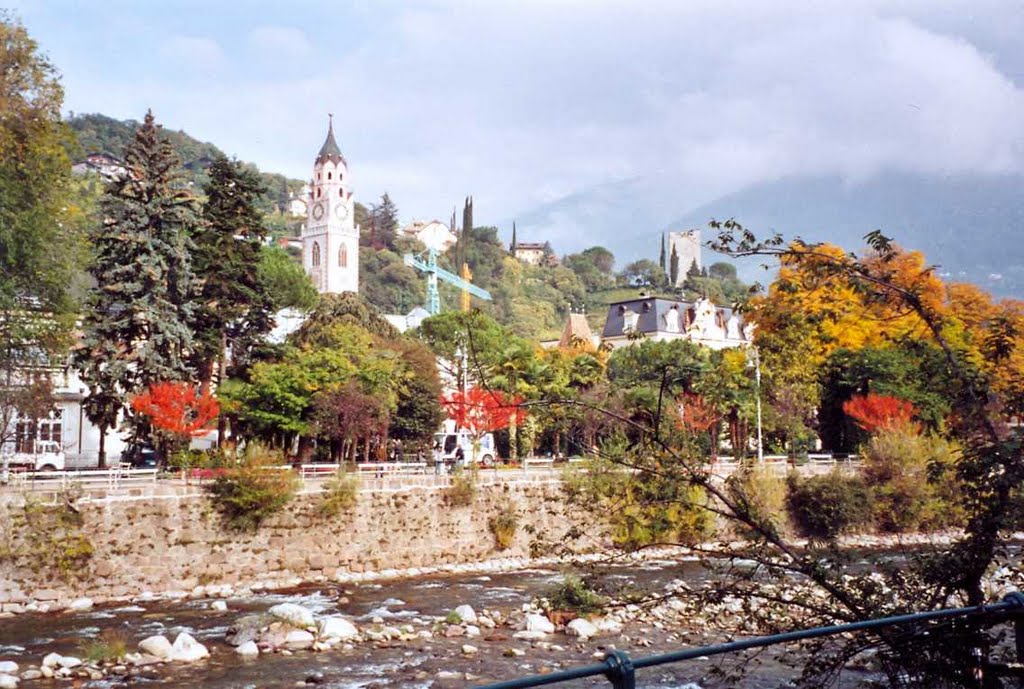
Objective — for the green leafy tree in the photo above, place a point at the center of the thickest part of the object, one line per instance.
(136, 330)
(285, 281)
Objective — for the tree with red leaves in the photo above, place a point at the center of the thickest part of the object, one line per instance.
(482, 411)
(178, 409)
(874, 413)
(696, 414)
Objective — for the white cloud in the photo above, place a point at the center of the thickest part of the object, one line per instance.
(192, 51)
(283, 42)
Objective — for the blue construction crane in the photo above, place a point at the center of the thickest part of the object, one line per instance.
(434, 272)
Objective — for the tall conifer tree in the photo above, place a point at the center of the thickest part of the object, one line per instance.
(234, 307)
(137, 327)
(674, 268)
(661, 258)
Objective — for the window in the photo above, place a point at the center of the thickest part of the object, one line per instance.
(341, 193)
(32, 437)
(343, 256)
(318, 193)
(316, 253)
(328, 175)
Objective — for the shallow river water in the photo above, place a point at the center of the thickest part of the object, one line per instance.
(416, 663)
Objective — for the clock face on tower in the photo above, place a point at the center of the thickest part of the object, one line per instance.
(341, 211)
(318, 211)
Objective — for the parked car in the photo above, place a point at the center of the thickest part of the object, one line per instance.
(140, 456)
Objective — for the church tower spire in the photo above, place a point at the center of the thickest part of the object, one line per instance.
(330, 241)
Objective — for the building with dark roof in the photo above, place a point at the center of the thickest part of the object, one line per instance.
(661, 319)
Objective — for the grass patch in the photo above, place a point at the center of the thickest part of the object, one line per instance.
(575, 595)
(462, 491)
(503, 526)
(340, 495)
(110, 646)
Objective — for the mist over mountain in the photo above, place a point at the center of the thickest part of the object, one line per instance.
(969, 226)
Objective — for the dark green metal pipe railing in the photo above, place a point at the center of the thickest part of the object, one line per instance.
(619, 669)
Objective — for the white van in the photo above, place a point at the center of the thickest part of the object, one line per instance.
(447, 444)
(47, 456)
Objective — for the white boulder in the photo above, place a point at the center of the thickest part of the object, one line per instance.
(299, 640)
(248, 650)
(8, 682)
(50, 660)
(69, 662)
(468, 650)
(530, 636)
(219, 606)
(337, 628)
(295, 615)
(581, 628)
(8, 667)
(80, 605)
(185, 649)
(538, 623)
(157, 646)
(466, 614)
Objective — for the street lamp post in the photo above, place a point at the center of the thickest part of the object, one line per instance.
(754, 357)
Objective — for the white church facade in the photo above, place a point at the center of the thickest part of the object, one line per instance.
(330, 239)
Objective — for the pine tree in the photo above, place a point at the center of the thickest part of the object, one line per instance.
(136, 330)
(384, 222)
(661, 259)
(467, 228)
(512, 248)
(674, 268)
(234, 307)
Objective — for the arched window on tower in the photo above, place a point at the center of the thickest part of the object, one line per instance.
(328, 175)
(343, 256)
(341, 193)
(316, 253)
(318, 193)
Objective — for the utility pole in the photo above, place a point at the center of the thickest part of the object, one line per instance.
(754, 358)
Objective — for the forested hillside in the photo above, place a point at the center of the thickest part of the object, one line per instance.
(101, 134)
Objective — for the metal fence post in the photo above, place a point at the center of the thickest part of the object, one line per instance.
(620, 670)
(1017, 598)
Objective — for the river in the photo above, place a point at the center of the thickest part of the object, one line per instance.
(436, 662)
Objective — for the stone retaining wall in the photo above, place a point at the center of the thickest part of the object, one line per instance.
(174, 543)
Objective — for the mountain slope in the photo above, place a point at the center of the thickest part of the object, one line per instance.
(968, 226)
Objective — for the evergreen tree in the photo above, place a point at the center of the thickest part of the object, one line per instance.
(674, 268)
(693, 271)
(661, 258)
(512, 249)
(383, 223)
(234, 306)
(136, 330)
(467, 227)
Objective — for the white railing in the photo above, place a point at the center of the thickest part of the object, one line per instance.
(537, 462)
(309, 471)
(109, 479)
(381, 469)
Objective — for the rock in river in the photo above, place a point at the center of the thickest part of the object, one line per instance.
(187, 650)
(295, 615)
(157, 646)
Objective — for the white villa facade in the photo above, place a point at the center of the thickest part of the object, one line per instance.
(660, 319)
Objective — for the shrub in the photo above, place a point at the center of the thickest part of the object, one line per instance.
(340, 495)
(913, 480)
(503, 526)
(462, 490)
(762, 492)
(825, 507)
(110, 646)
(575, 595)
(247, 494)
(660, 512)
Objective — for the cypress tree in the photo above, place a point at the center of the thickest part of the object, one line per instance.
(467, 226)
(674, 268)
(136, 330)
(512, 249)
(234, 306)
(661, 259)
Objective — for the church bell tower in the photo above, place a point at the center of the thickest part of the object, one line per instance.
(330, 242)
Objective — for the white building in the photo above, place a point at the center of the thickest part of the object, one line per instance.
(659, 319)
(430, 233)
(330, 240)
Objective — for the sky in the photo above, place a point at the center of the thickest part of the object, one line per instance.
(523, 104)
